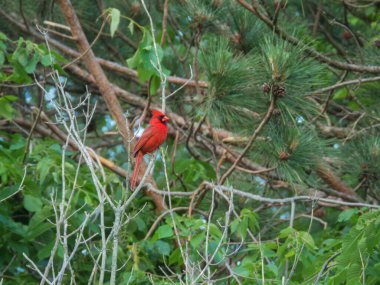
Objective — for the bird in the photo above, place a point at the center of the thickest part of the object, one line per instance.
(151, 139)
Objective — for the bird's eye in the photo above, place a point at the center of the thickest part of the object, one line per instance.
(160, 117)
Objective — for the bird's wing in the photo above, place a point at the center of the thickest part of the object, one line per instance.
(147, 134)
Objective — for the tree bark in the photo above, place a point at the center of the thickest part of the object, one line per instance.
(101, 80)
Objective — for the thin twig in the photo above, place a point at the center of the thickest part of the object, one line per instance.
(35, 122)
(163, 77)
(164, 21)
(251, 140)
(20, 188)
(184, 84)
(308, 50)
(57, 25)
(324, 267)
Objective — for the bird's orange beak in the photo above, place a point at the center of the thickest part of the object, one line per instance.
(165, 119)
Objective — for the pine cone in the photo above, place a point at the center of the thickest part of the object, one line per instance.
(265, 88)
(278, 90)
(283, 155)
(347, 35)
(236, 38)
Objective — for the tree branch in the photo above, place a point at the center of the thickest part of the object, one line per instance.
(95, 69)
(251, 140)
(334, 182)
(220, 189)
(113, 66)
(312, 52)
(346, 83)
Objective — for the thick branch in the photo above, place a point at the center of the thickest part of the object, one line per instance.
(95, 69)
(334, 182)
(113, 66)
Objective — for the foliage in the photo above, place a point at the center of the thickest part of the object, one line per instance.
(363, 163)
(231, 80)
(359, 249)
(289, 148)
(250, 231)
(282, 64)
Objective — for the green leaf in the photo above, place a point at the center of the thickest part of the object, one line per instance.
(213, 246)
(176, 257)
(290, 253)
(19, 144)
(131, 27)
(57, 56)
(286, 232)
(163, 248)
(3, 47)
(9, 98)
(18, 75)
(197, 239)
(144, 57)
(44, 166)
(59, 68)
(341, 94)
(32, 204)
(36, 231)
(267, 252)
(245, 268)
(141, 224)
(45, 250)
(244, 227)
(23, 57)
(30, 46)
(46, 60)
(12, 226)
(144, 73)
(31, 66)
(215, 231)
(38, 223)
(115, 20)
(234, 226)
(307, 239)
(272, 267)
(88, 200)
(133, 62)
(164, 231)
(347, 214)
(2, 58)
(7, 192)
(155, 85)
(6, 109)
(2, 36)
(354, 106)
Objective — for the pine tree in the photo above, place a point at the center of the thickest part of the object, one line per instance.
(270, 174)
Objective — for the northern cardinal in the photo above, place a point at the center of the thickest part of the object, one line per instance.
(151, 139)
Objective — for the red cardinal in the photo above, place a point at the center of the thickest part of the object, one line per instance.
(151, 139)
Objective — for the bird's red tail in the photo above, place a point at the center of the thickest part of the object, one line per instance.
(136, 170)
